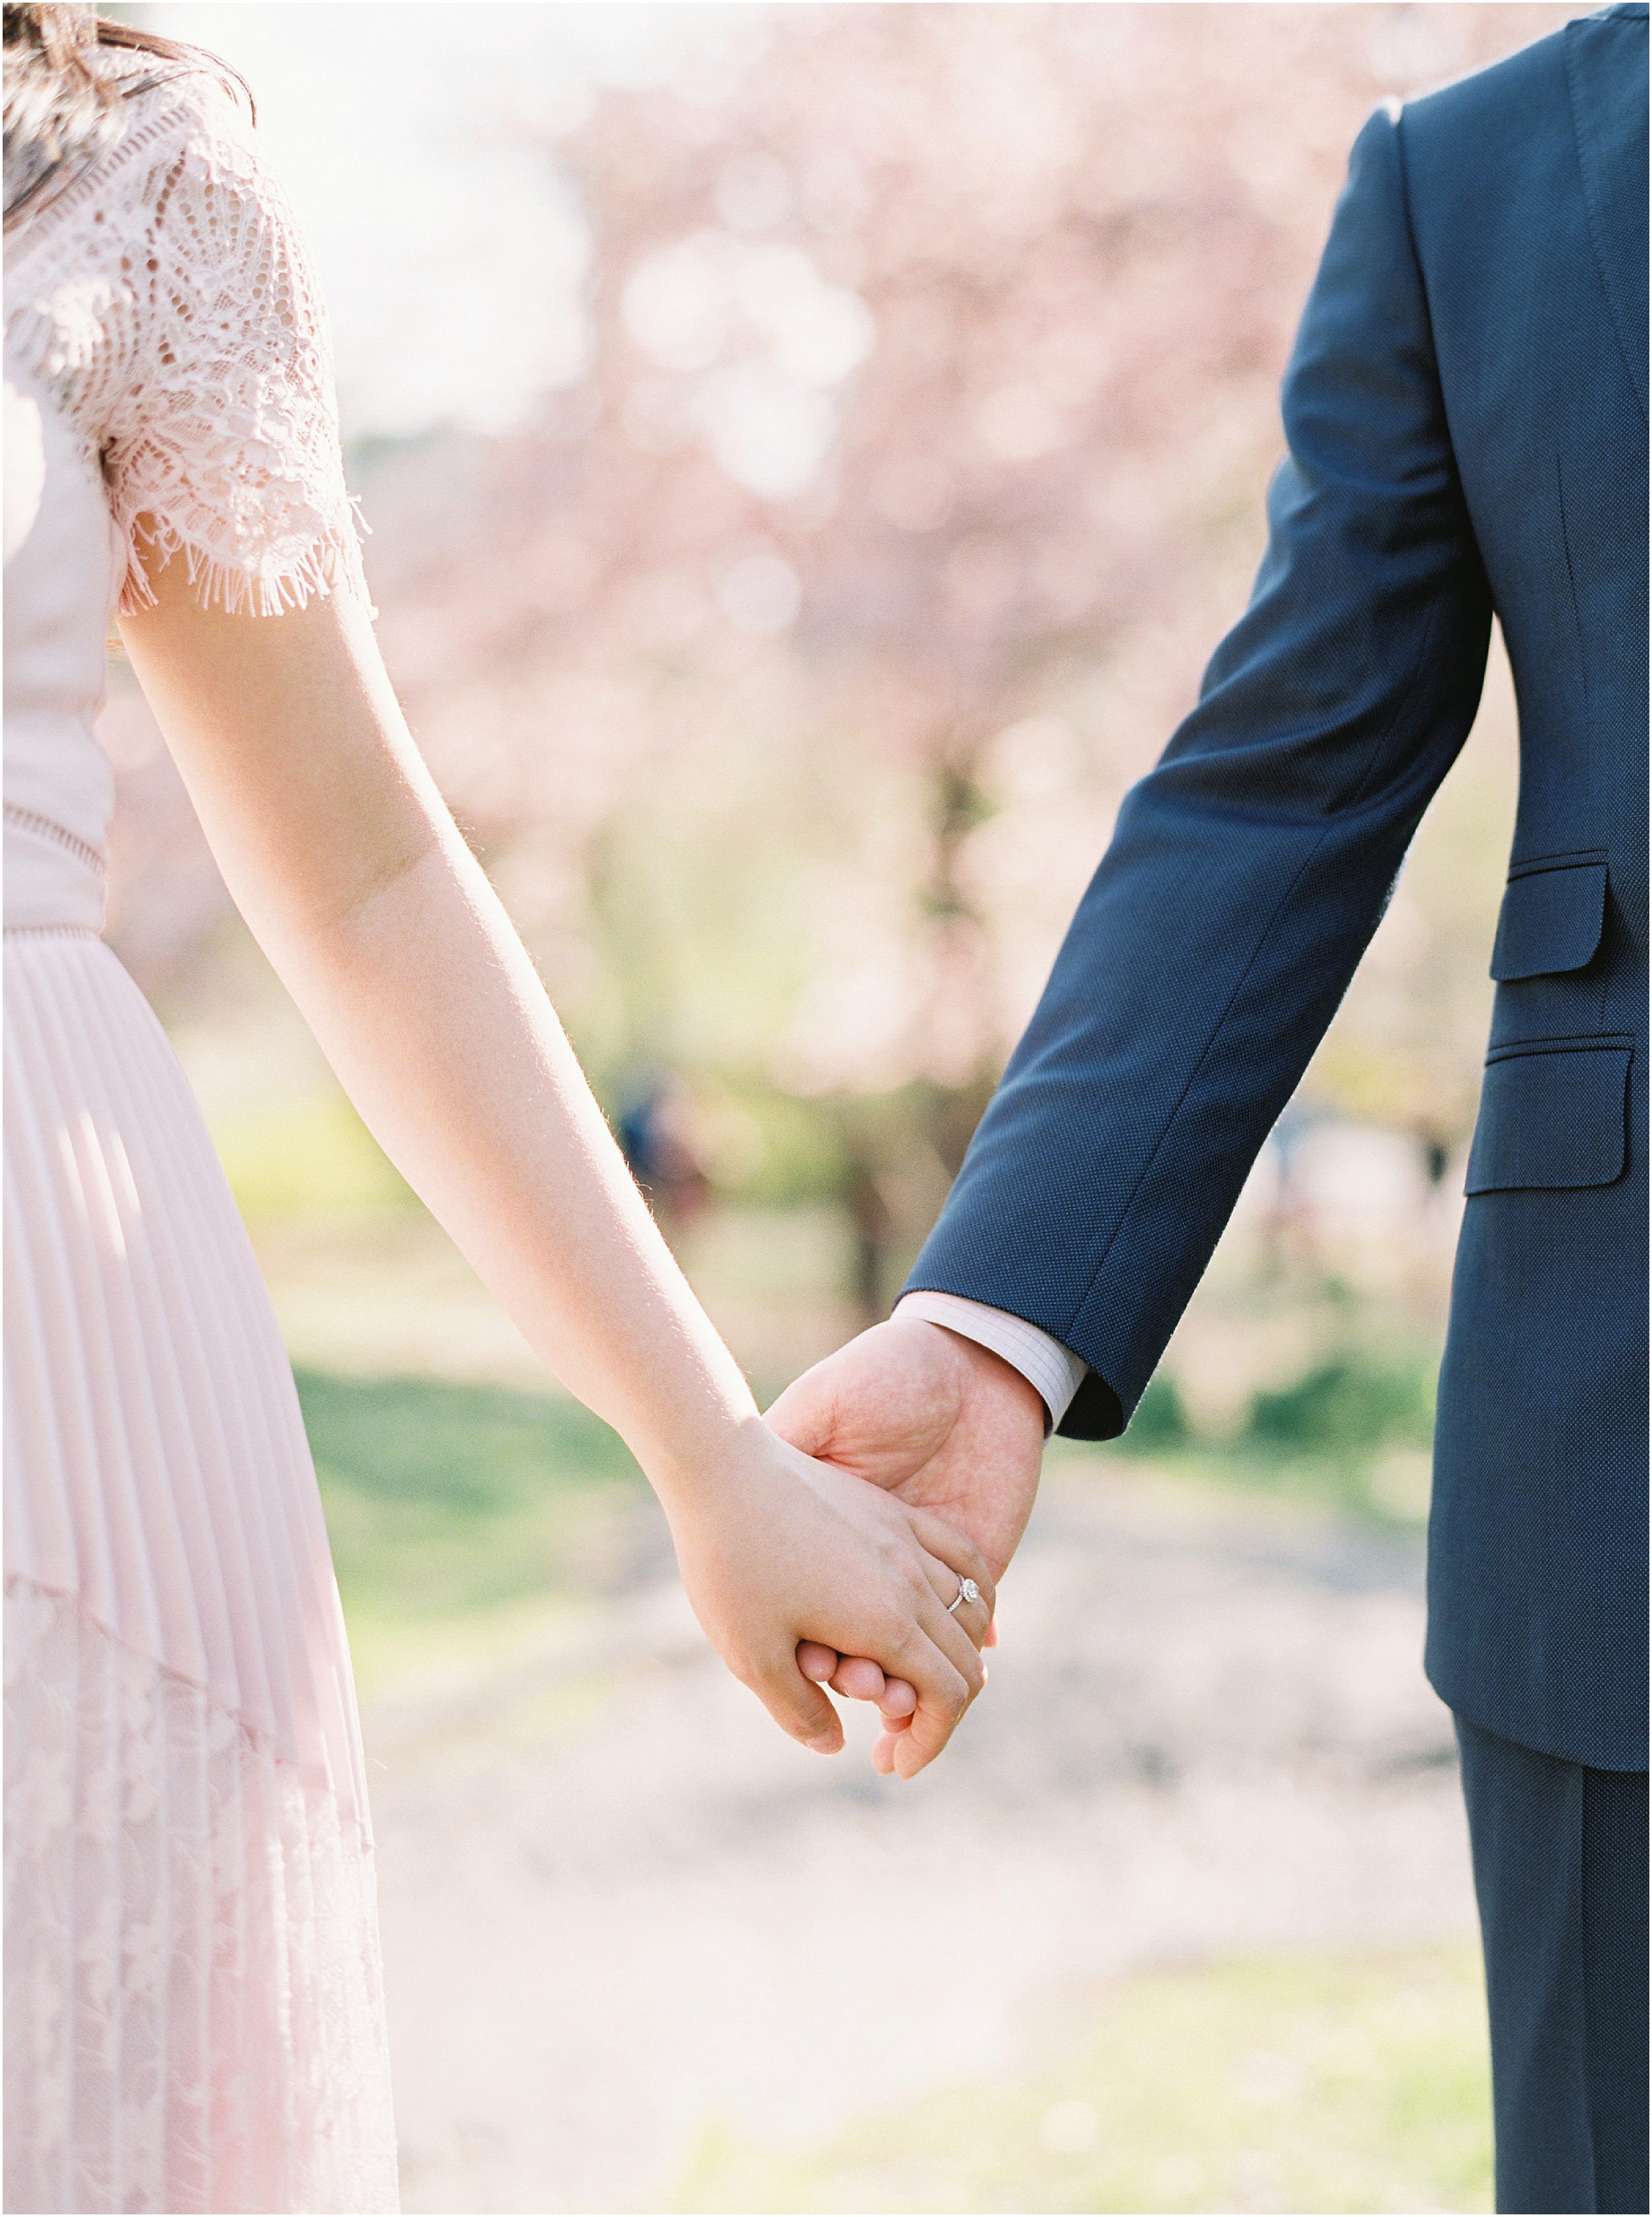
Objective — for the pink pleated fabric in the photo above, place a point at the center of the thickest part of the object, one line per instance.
(194, 1996)
(195, 2019)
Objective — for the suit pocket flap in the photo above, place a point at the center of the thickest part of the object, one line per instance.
(1551, 920)
(1555, 1119)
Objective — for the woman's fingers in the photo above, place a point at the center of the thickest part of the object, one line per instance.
(944, 1693)
(797, 1706)
(883, 1754)
(923, 1707)
(959, 1559)
(973, 1618)
(955, 1642)
(959, 1632)
(956, 1633)
(922, 1676)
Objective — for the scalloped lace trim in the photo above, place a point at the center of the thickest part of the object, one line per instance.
(165, 301)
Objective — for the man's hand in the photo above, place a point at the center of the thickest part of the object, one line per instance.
(936, 1419)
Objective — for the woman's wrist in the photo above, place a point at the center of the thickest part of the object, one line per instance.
(650, 1363)
(690, 1457)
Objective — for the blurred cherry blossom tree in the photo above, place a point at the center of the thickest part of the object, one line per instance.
(789, 668)
(934, 354)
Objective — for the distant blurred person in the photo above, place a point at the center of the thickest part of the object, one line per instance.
(656, 1130)
(193, 2015)
(1465, 414)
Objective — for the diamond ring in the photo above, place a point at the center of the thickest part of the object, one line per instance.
(967, 1591)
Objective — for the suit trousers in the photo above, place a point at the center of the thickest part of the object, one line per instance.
(1560, 1871)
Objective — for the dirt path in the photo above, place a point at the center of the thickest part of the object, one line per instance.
(618, 1905)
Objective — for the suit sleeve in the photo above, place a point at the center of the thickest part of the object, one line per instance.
(1249, 868)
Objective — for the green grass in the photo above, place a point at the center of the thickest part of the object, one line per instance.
(1352, 1432)
(1345, 2084)
(455, 1506)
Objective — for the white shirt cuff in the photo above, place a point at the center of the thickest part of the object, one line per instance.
(1053, 1370)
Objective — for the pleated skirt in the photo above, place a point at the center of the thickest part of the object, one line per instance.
(195, 2017)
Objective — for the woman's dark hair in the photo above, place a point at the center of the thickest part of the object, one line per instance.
(61, 106)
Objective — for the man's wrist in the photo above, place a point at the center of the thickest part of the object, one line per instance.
(1053, 1371)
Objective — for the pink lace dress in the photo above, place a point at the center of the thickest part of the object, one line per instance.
(194, 2012)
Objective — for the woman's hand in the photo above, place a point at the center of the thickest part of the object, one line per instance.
(946, 1425)
(776, 1550)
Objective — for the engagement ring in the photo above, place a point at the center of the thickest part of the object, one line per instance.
(967, 1591)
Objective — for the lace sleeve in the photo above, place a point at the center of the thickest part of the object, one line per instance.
(225, 445)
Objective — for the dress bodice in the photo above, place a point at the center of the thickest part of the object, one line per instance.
(61, 579)
(168, 391)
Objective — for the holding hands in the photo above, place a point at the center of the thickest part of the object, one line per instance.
(788, 1560)
(941, 1425)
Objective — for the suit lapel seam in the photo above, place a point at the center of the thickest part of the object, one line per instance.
(1587, 175)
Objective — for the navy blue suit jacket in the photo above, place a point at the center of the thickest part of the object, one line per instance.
(1465, 422)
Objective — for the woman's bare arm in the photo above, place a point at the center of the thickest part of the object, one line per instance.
(349, 870)
(347, 867)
